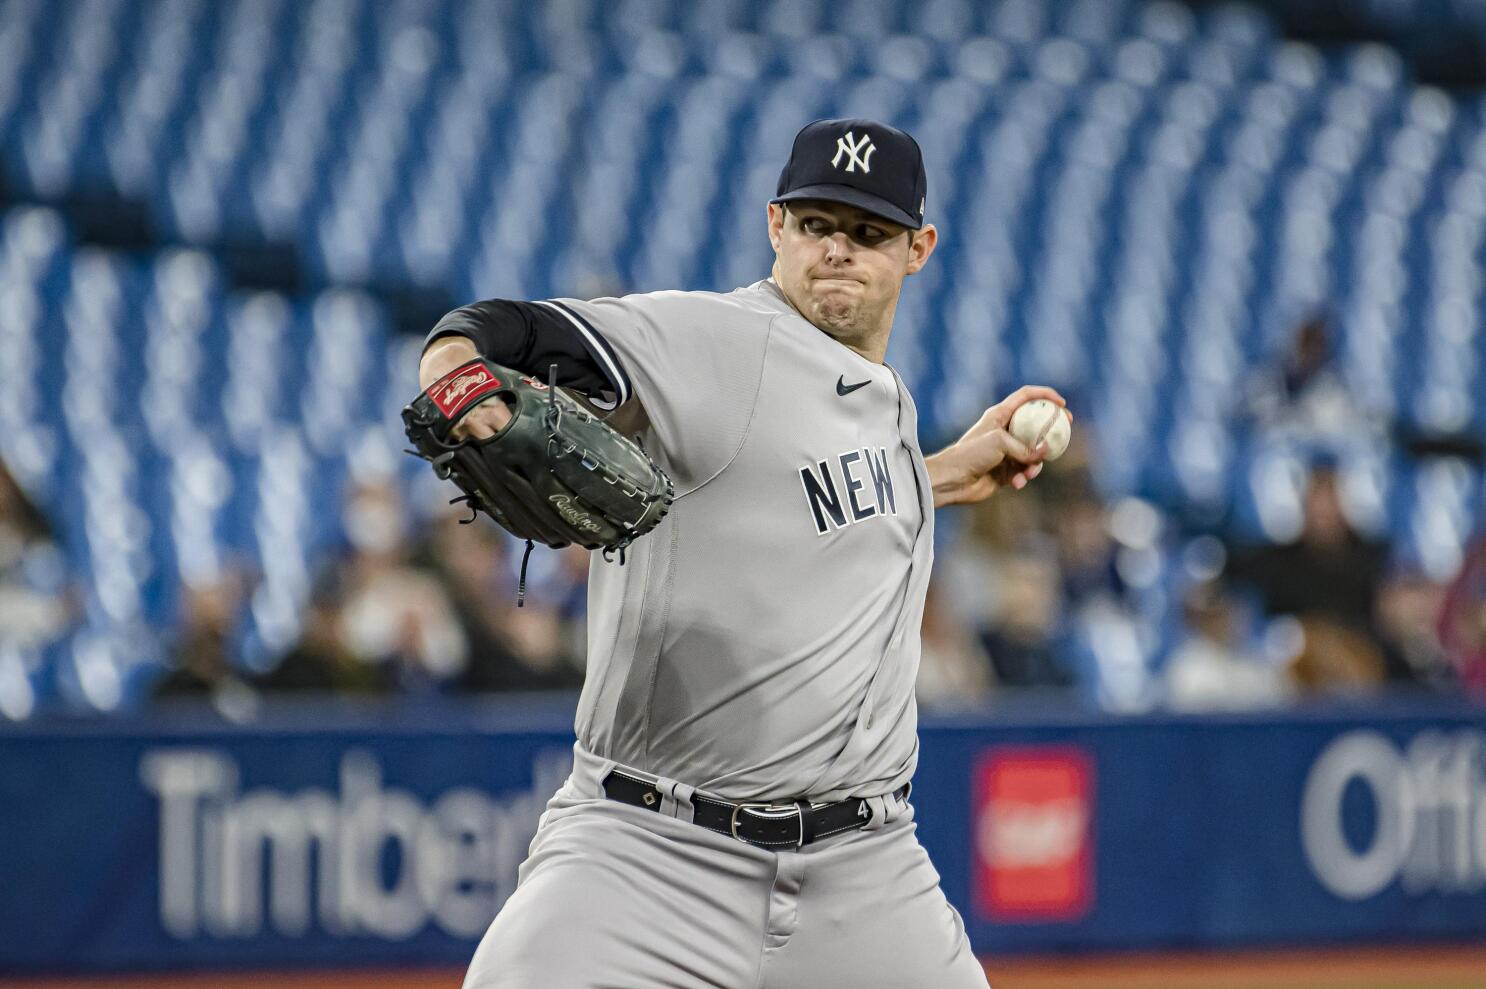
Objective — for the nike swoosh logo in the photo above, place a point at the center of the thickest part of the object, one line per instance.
(842, 388)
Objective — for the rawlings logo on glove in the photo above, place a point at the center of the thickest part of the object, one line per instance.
(455, 393)
(574, 516)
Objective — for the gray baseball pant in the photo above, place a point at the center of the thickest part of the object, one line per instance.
(618, 897)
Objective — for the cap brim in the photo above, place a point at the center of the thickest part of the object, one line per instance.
(875, 205)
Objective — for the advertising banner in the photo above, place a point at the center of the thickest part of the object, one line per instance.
(1303, 828)
(380, 840)
(391, 837)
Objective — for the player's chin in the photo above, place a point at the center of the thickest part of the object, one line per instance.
(835, 313)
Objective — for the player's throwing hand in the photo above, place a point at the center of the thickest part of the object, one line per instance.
(988, 458)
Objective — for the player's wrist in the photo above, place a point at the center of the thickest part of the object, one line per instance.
(948, 478)
(444, 355)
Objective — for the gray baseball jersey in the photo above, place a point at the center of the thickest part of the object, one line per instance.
(763, 641)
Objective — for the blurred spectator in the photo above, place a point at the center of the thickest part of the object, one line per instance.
(1024, 623)
(1409, 605)
(1335, 659)
(1086, 551)
(202, 664)
(1213, 668)
(392, 615)
(1326, 579)
(1328, 572)
(1462, 622)
(321, 660)
(510, 648)
(954, 669)
(1035, 563)
(1304, 396)
(35, 604)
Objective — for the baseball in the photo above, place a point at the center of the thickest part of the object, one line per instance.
(1038, 420)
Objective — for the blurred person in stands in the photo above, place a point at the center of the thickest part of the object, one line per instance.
(321, 661)
(954, 669)
(1326, 579)
(1333, 660)
(1329, 570)
(1462, 621)
(202, 656)
(510, 648)
(1213, 668)
(1066, 519)
(1023, 628)
(539, 633)
(393, 615)
(1086, 549)
(36, 602)
(1409, 605)
(1303, 395)
(1009, 579)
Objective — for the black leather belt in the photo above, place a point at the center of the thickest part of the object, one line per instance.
(790, 825)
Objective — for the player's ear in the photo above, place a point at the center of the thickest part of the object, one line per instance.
(921, 246)
(776, 223)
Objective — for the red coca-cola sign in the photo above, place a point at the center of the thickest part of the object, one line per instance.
(1034, 846)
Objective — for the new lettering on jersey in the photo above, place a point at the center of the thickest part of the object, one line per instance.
(837, 491)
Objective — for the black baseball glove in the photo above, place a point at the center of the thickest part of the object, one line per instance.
(555, 474)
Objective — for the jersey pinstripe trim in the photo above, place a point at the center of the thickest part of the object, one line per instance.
(600, 349)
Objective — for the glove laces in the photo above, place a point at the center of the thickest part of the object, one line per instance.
(521, 584)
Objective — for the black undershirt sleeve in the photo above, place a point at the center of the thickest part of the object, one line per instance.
(529, 338)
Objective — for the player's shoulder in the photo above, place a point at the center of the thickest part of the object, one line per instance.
(749, 307)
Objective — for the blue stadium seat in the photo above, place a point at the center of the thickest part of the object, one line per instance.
(1138, 203)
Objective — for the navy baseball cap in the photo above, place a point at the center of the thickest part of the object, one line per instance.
(862, 163)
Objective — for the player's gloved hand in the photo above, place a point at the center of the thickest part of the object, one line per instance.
(988, 458)
(551, 472)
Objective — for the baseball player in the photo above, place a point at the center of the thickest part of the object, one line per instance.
(738, 813)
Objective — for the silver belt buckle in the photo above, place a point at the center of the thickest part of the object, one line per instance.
(766, 810)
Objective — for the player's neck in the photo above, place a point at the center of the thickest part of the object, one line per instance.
(873, 349)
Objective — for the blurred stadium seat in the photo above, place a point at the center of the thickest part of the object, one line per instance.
(1138, 205)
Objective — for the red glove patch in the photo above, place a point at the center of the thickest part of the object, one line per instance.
(462, 387)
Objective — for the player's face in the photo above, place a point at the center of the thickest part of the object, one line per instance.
(843, 267)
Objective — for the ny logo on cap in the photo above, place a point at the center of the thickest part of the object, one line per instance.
(852, 148)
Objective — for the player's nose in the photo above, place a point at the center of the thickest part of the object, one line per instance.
(838, 247)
